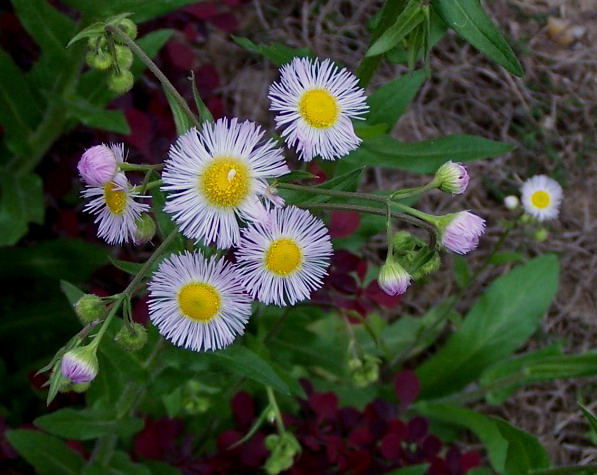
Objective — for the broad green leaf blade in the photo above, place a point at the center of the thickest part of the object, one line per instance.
(426, 156)
(204, 112)
(21, 202)
(132, 268)
(240, 360)
(482, 426)
(408, 19)
(47, 454)
(72, 293)
(412, 470)
(590, 417)
(277, 53)
(389, 102)
(96, 117)
(119, 464)
(87, 424)
(50, 29)
(469, 20)
(497, 325)
(144, 10)
(19, 110)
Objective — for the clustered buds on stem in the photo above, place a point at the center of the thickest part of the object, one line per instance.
(283, 448)
(90, 308)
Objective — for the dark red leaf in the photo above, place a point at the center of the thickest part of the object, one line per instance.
(359, 437)
(243, 410)
(344, 262)
(207, 79)
(141, 311)
(224, 21)
(202, 10)
(216, 107)
(157, 438)
(343, 223)
(469, 460)
(140, 130)
(391, 447)
(417, 428)
(431, 445)
(181, 55)
(407, 388)
(378, 296)
(325, 405)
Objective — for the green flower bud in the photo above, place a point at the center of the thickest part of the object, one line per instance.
(132, 339)
(128, 26)
(452, 178)
(122, 82)
(90, 308)
(144, 229)
(99, 59)
(80, 365)
(541, 234)
(195, 405)
(97, 42)
(80, 387)
(271, 442)
(124, 56)
(65, 385)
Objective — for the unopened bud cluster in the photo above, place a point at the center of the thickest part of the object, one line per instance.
(364, 371)
(283, 448)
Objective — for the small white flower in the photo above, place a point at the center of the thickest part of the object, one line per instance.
(393, 278)
(218, 175)
(511, 202)
(115, 208)
(541, 197)
(283, 261)
(198, 303)
(99, 164)
(315, 101)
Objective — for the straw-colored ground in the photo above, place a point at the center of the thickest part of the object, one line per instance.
(549, 114)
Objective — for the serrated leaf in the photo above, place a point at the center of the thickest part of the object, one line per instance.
(498, 324)
(277, 53)
(426, 156)
(390, 101)
(408, 19)
(47, 454)
(87, 424)
(469, 20)
(21, 202)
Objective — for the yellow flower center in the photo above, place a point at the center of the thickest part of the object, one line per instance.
(199, 301)
(319, 108)
(115, 198)
(283, 257)
(225, 182)
(540, 199)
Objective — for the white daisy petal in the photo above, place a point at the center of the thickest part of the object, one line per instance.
(115, 208)
(541, 197)
(198, 303)
(215, 176)
(315, 102)
(283, 261)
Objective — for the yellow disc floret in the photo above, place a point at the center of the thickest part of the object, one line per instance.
(540, 199)
(115, 198)
(225, 182)
(199, 301)
(283, 256)
(319, 108)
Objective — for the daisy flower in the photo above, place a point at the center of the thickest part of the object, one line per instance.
(198, 303)
(283, 261)
(315, 101)
(99, 164)
(115, 208)
(217, 175)
(541, 197)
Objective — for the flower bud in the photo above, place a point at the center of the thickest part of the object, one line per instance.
(452, 178)
(80, 365)
(144, 229)
(124, 56)
(99, 59)
(511, 202)
(393, 279)
(541, 234)
(460, 232)
(132, 339)
(128, 26)
(98, 165)
(121, 82)
(90, 308)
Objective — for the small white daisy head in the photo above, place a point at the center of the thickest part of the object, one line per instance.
(218, 175)
(284, 260)
(80, 365)
(393, 278)
(198, 303)
(460, 232)
(541, 197)
(115, 208)
(452, 178)
(511, 202)
(315, 101)
(99, 164)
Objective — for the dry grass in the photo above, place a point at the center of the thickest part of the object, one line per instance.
(549, 114)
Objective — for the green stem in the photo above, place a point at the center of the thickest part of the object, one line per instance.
(149, 186)
(480, 392)
(156, 71)
(568, 469)
(143, 168)
(277, 414)
(352, 195)
(406, 192)
(428, 218)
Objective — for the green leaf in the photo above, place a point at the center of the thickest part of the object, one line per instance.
(590, 417)
(160, 468)
(21, 202)
(87, 424)
(296, 175)
(62, 258)
(240, 360)
(426, 156)
(19, 110)
(412, 470)
(50, 29)
(72, 293)
(94, 116)
(277, 53)
(505, 257)
(498, 324)
(47, 454)
(469, 20)
(144, 9)
(389, 102)
(94, 30)
(462, 272)
(132, 268)
(181, 119)
(204, 112)
(119, 464)
(346, 181)
(408, 19)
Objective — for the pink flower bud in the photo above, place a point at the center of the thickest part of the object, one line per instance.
(453, 178)
(393, 279)
(461, 233)
(99, 164)
(80, 365)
